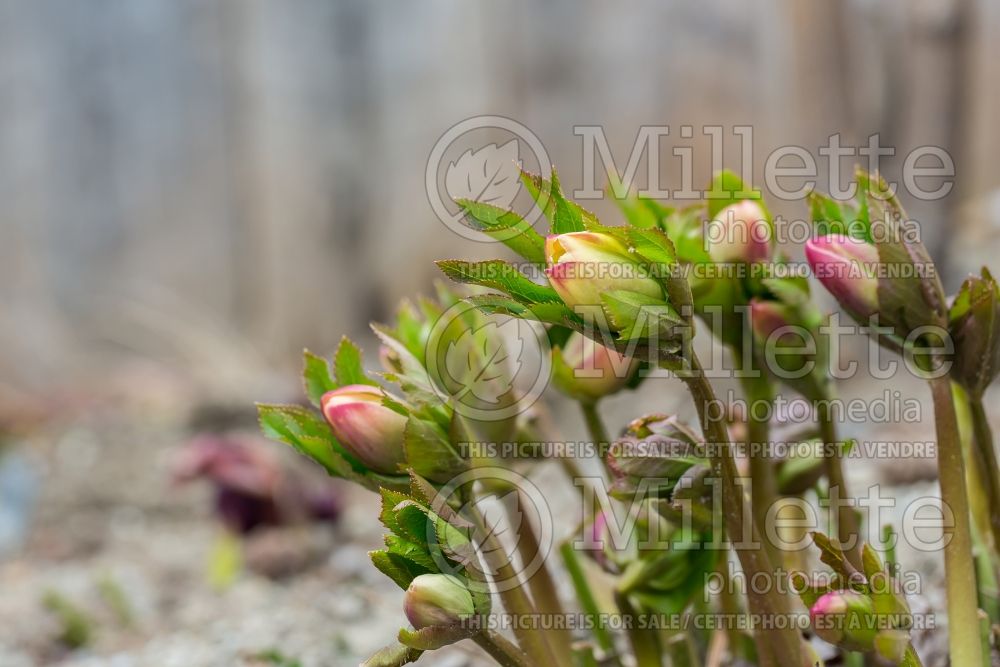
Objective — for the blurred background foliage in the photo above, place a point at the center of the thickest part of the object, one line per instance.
(214, 185)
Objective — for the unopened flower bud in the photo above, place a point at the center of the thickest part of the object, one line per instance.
(589, 371)
(846, 268)
(767, 317)
(973, 320)
(365, 427)
(437, 599)
(845, 619)
(584, 265)
(739, 233)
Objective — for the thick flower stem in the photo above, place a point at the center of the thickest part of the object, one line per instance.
(848, 531)
(595, 426)
(645, 643)
(515, 599)
(501, 649)
(963, 619)
(763, 481)
(543, 591)
(588, 603)
(985, 459)
(781, 640)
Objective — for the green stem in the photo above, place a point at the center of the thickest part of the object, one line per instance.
(645, 644)
(588, 603)
(501, 649)
(729, 604)
(763, 481)
(963, 619)
(543, 591)
(847, 520)
(595, 426)
(985, 459)
(515, 599)
(782, 639)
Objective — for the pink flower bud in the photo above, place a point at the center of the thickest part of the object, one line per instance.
(583, 265)
(846, 267)
(739, 233)
(591, 371)
(437, 600)
(767, 317)
(365, 427)
(845, 619)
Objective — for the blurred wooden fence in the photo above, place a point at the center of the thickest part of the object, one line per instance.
(251, 170)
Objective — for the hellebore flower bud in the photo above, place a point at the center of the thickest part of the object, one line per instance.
(973, 320)
(767, 317)
(365, 427)
(583, 265)
(437, 599)
(655, 447)
(589, 371)
(845, 267)
(845, 619)
(739, 233)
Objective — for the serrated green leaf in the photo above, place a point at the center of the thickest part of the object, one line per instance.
(390, 500)
(347, 364)
(498, 274)
(309, 435)
(498, 304)
(414, 522)
(429, 452)
(400, 575)
(316, 377)
(564, 216)
(507, 227)
(411, 551)
(835, 558)
(638, 317)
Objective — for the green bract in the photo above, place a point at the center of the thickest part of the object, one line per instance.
(974, 323)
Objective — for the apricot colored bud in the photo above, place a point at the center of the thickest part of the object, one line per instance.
(846, 268)
(584, 265)
(436, 600)
(739, 233)
(365, 427)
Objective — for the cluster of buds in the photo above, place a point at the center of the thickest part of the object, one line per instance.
(658, 463)
(858, 611)
(373, 436)
(656, 454)
(849, 620)
(878, 271)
